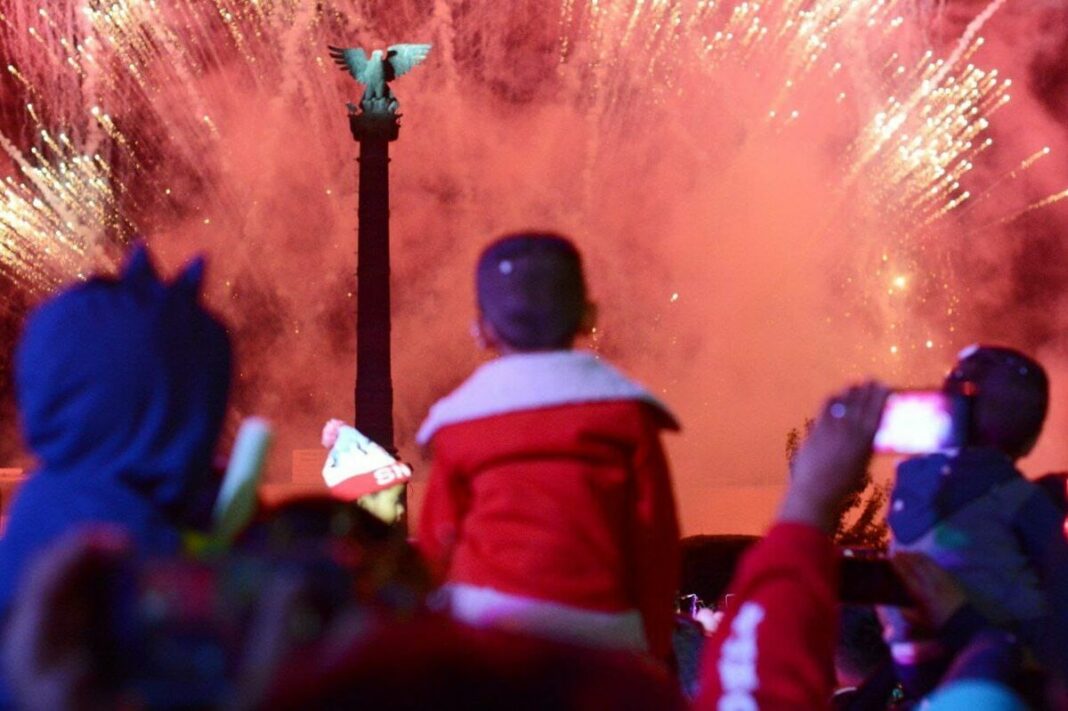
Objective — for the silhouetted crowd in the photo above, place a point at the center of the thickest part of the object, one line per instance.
(545, 569)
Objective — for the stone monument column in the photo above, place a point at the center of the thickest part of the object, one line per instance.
(374, 129)
(375, 124)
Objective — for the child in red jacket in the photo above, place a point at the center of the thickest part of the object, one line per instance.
(549, 508)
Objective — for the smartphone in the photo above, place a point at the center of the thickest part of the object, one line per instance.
(921, 422)
(871, 581)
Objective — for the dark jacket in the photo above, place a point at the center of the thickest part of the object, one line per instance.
(121, 387)
(965, 511)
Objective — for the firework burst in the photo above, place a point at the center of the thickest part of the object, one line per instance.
(132, 107)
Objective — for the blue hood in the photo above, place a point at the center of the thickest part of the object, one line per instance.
(931, 488)
(122, 388)
(126, 380)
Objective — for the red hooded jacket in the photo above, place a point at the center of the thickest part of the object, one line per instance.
(549, 484)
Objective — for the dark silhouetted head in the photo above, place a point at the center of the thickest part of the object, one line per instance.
(1011, 397)
(531, 291)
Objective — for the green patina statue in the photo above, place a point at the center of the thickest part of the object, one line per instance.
(376, 72)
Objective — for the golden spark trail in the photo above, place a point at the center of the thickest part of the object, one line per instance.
(145, 83)
(1045, 202)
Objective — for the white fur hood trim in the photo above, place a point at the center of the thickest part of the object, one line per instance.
(531, 381)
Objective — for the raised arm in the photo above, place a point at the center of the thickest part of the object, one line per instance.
(775, 648)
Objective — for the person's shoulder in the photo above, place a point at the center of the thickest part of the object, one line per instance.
(651, 415)
(643, 417)
(922, 463)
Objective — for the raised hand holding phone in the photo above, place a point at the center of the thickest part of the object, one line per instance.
(834, 456)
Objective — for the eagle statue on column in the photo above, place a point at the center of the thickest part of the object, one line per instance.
(376, 72)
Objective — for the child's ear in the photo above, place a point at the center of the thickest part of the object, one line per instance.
(589, 319)
(478, 333)
(486, 336)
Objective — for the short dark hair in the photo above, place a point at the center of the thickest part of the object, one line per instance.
(1011, 397)
(531, 289)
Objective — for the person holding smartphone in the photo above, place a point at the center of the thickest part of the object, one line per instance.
(774, 648)
(971, 510)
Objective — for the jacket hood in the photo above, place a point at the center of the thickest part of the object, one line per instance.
(531, 381)
(126, 380)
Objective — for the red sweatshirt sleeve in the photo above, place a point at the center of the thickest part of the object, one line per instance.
(775, 648)
(440, 519)
(655, 542)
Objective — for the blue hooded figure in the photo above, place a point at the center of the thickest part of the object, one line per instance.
(122, 387)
